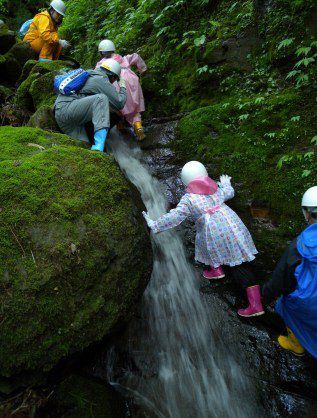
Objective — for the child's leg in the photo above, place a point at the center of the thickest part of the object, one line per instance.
(136, 121)
(243, 275)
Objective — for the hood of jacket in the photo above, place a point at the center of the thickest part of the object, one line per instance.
(202, 185)
(307, 243)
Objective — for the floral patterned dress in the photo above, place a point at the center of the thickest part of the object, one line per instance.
(221, 237)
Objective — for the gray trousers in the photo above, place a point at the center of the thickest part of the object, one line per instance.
(71, 116)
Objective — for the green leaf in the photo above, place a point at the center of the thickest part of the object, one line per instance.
(314, 140)
(285, 43)
(292, 74)
(304, 50)
(244, 117)
(305, 62)
(295, 118)
(270, 134)
(200, 41)
(283, 159)
(306, 173)
(308, 155)
(203, 69)
(259, 100)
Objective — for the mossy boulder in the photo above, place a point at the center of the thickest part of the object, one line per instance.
(265, 142)
(72, 248)
(7, 38)
(44, 118)
(36, 89)
(11, 64)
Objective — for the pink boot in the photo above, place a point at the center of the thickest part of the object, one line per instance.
(255, 308)
(214, 273)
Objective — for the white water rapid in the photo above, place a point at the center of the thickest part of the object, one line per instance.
(183, 369)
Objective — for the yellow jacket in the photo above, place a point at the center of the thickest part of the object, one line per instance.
(42, 27)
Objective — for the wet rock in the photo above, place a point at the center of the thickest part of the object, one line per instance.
(56, 301)
(11, 63)
(235, 51)
(7, 38)
(287, 384)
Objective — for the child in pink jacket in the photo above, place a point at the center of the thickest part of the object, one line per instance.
(221, 236)
(135, 100)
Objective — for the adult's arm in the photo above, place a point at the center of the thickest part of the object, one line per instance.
(283, 281)
(44, 28)
(116, 99)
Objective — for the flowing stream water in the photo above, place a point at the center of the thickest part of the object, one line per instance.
(183, 368)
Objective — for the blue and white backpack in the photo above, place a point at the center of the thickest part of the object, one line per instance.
(71, 82)
(24, 28)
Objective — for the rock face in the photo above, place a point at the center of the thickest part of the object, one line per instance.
(235, 51)
(11, 63)
(72, 248)
(7, 38)
(36, 94)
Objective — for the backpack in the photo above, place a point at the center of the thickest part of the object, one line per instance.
(24, 28)
(70, 82)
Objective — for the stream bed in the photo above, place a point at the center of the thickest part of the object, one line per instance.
(187, 354)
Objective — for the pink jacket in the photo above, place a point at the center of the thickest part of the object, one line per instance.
(135, 99)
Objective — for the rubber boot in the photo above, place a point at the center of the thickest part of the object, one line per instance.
(100, 140)
(214, 273)
(255, 307)
(291, 343)
(138, 130)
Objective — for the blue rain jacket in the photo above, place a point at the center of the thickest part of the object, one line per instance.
(299, 308)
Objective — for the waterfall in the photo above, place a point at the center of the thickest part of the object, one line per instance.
(184, 370)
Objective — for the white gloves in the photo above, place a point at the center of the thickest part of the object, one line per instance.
(122, 83)
(225, 180)
(149, 221)
(63, 43)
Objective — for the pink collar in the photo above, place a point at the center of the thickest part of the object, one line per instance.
(202, 185)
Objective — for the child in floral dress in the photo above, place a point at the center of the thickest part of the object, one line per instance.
(221, 236)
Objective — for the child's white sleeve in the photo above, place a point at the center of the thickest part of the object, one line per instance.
(173, 217)
(225, 191)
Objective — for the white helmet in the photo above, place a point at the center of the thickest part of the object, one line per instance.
(309, 202)
(309, 199)
(58, 6)
(112, 66)
(106, 46)
(192, 170)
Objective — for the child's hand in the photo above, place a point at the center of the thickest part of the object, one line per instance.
(225, 180)
(148, 220)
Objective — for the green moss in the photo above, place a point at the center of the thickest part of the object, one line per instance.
(37, 89)
(246, 137)
(66, 272)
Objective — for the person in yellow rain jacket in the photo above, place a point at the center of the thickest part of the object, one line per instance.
(42, 33)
